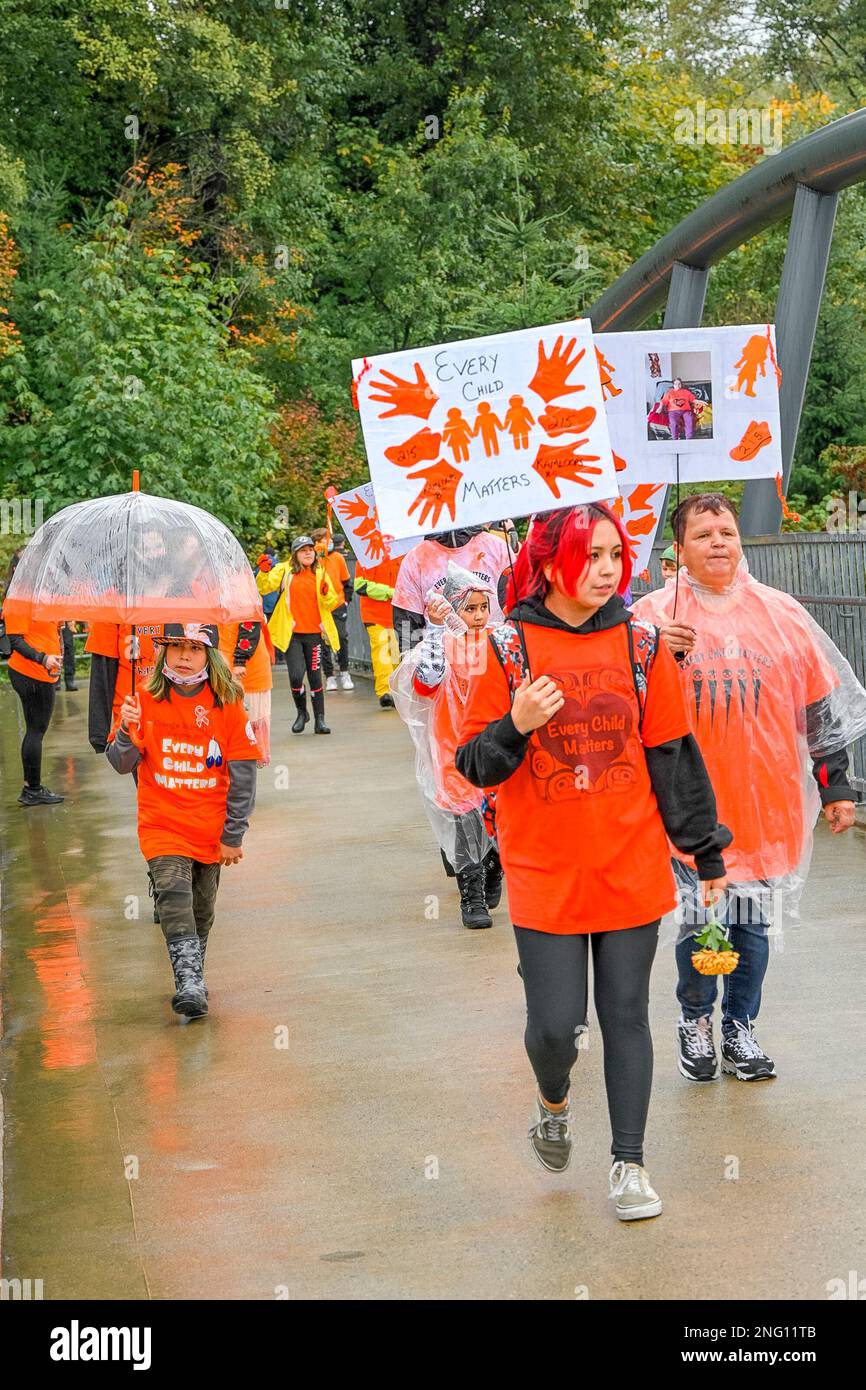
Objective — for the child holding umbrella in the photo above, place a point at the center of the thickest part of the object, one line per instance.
(579, 721)
(188, 735)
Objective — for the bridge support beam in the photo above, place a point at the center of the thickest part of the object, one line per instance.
(797, 309)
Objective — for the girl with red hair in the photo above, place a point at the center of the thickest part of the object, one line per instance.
(579, 722)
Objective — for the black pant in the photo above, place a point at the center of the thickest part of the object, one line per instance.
(341, 619)
(555, 970)
(68, 656)
(304, 658)
(37, 699)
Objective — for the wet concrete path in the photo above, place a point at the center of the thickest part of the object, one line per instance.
(350, 1122)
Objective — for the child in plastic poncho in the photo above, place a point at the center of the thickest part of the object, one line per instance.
(430, 690)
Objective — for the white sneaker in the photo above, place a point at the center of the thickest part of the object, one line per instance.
(331, 683)
(631, 1190)
(345, 681)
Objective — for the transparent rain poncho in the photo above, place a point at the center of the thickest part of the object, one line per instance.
(430, 689)
(769, 695)
(132, 558)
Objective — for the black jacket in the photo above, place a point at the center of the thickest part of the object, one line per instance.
(679, 778)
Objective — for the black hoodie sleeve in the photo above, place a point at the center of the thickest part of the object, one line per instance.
(830, 770)
(23, 648)
(103, 679)
(687, 803)
(409, 627)
(493, 755)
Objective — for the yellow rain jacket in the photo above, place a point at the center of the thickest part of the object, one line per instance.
(281, 622)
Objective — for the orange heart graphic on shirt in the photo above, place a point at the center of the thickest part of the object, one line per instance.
(591, 735)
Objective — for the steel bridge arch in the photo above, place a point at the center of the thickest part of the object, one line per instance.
(802, 182)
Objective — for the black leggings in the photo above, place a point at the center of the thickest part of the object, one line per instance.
(37, 699)
(341, 622)
(555, 970)
(304, 658)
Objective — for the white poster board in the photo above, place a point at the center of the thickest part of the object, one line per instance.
(722, 422)
(639, 505)
(469, 432)
(356, 512)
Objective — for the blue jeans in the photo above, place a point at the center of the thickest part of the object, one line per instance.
(747, 929)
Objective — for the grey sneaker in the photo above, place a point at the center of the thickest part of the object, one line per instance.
(550, 1136)
(632, 1192)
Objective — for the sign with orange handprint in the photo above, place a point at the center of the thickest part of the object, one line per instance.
(357, 514)
(640, 507)
(499, 415)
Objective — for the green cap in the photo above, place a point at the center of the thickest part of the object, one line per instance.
(670, 554)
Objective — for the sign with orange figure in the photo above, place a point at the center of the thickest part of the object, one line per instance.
(469, 432)
(356, 512)
(701, 401)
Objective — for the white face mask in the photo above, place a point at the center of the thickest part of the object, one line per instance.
(178, 678)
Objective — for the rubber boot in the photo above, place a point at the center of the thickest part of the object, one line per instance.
(190, 998)
(473, 908)
(319, 726)
(492, 879)
(202, 941)
(303, 714)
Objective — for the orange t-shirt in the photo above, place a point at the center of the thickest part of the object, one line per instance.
(44, 637)
(304, 601)
(375, 610)
(182, 801)
(337, 570)
(678, 400)
(110, 639)
(258, 675)
(754, 668)
(580, 834)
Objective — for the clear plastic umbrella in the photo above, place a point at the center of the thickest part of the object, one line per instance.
(132, 558)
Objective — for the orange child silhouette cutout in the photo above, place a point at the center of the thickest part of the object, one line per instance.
(753, 360)
(604, 370)
(518, 422)
(457, 432)
(487, 424)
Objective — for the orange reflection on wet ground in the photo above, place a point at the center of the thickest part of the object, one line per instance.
(66, 1025)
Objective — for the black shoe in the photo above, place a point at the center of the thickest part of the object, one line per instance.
(72, 687)
(492, 879)
(301, 722)
(202, 942)
(742, 1056)
(696, 1058)
(319, 726)
(39, 796)
(191, 997)
(386, 701)
(473, 908)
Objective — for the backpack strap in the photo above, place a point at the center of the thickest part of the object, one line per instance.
(506, 643)
(643, 641)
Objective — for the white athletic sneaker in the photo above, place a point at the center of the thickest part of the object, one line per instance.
(346, 681)
(631, 1190)
(331, 683)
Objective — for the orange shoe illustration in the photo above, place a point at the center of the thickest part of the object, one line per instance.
(754, 439)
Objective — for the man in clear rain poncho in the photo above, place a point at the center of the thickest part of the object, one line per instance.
(430, 689)
(774, 706)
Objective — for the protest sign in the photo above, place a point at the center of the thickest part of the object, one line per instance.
(467, 432)
(356, 512)
(703, 402)
(639, 506)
